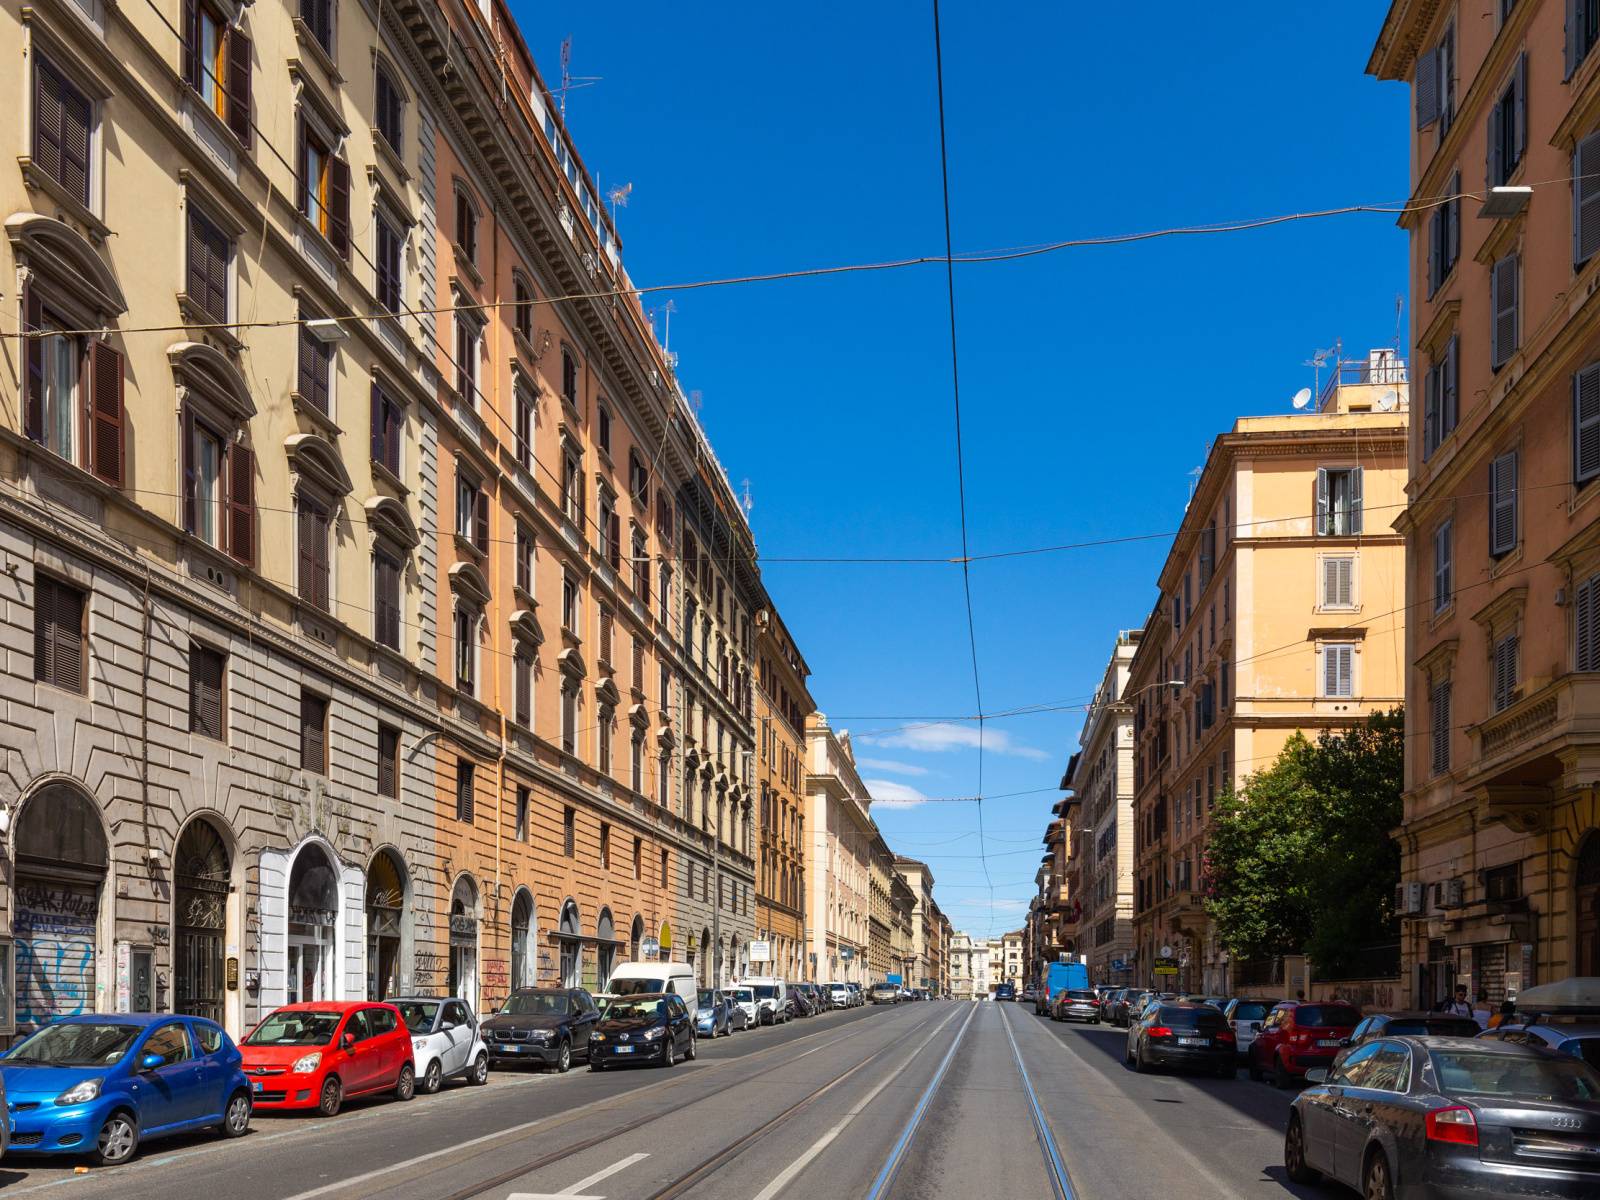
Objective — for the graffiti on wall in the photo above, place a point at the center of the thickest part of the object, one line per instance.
(430, 969)
(496, 974)
(54, 930)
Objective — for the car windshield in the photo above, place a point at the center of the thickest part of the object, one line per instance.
(707, 997)
(1072, 994)
(295, 1028)
(1326, 1015)
(886, 987)
(74, 1044)
(638, 987)
(742, 995)
(418, 1014)
(1531, 1077)
(537, 1004)
(1251, 1010)
(766, 991)
(628, 1009)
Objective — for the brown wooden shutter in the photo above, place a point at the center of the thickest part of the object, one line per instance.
(239, 85)
(47, 119)
(313, 733)
(320, 549)
(105, 412)
(301, 191)
(58, 634)
(206, 670)
(339, 205)
(217, 248)
(242, 505)
(196, 272)
(388, 768)
(480, 522)
(44, 644)
(33, 383)
(75, 120)
(376, 430)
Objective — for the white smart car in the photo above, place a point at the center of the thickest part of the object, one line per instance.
(445, 1040)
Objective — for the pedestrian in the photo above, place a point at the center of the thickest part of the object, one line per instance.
(1481, 1012)
(1507, 1013)
(1459, 1006)
(1300, 995)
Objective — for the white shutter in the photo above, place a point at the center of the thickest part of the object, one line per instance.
(1337, 662)
(1337, 582)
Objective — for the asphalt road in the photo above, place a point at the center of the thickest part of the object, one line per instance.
(916, 1100)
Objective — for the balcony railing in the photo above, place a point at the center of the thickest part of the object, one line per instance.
(1378, 368)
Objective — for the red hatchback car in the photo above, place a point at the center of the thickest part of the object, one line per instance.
(314, 1055)
(1298, 1037)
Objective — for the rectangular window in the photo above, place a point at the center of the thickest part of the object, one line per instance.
(389, 762)
(523, 804)
(207, 449)
(522, 314)
(467, 360)
(207, 692)
(1503, 884)
(1586, 199)
(1505, 333)
(1506, 653)
(638, 858)
(666, 878)
(209, 252)
(1441, 407)
(465, 778)
(318, 18)
(1508, 127)
(569, 603)
(466, 623)
(63, 119)
(324, 188)
(389, 264)
(1586, 424)
(466, 229)
(1338, 501)
(606, 627)
(524, 559)
(472, 513)
(605, 846)
(1443, 565)
(569, 832)
(1587, 657)
(610, 524)
(1444, 237)
(386, 572)
(571, 486)
(522, 686)
(524, 429)
(216, 64)
(58, 634)
(569, 719)
(388, 423)
(602, 427)
(1503, 504)
(1583, 31)
(603, 742)
(1439, 726)
(569, 377)
(316, 367)
(314, 523)
(638, 480)
(313, 733)
(388, 108)
(1338, 670)
(1338, 582)
(641, 568)
(636, 763)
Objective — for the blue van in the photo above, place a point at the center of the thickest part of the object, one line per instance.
(1058, 977)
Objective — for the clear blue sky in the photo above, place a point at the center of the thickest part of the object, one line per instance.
(761, 139)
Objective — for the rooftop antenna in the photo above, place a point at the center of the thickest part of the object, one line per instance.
(744, 500)
(619, 198)
(696, 401)
(569, 81)
(1316, 362)
(1399, 310)
(670, 307)
(1194, 479)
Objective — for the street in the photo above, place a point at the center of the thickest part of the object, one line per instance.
(915, 1100)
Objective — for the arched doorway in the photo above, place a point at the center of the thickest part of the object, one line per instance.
(201, 871)
(61, 867)
(635, 938)
(605, 935)
(702, 963)
(463, 979)
(570, 936)
(386, 902)
(1586, 883)
(522, 940)
(313, 919)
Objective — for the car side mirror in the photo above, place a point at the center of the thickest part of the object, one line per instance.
(348, 1041)
(150, 1062)
(1316, 1075)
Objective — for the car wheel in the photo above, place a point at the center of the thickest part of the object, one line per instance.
(331, 1098)
(432, 1078)
(405, 1087)
(1280, 1073)
(669, 1052)
(236, 1117)
(1294, 1153)
(564, 1057)
(1375, 1181)
(691, 1053)
(1139, 1063)
(118, 1139)
(479, 1075)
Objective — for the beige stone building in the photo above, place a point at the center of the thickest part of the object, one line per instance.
(782, 706)
(839, 855)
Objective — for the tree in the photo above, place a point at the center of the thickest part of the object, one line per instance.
(1300, 858)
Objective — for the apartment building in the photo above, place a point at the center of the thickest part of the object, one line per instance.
(839, 854)
(1282, 610)
(924, 948)
(782, 706)
(1501, 839)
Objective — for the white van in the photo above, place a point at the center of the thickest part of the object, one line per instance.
(640, 978)
(772, 997)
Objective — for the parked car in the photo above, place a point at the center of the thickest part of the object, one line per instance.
(1005, 992)
(1216, 1002)
(857, 998)
(1106, 998)
(1128, 1005)
(838, 995)
(1426, 1117)
(772, 998)
(545, 1026)
(100, 1084)
(314, 1055)
(1194, 1036)
(1029, 995)
(746, 1013)
(885, 993)
(1299, 1037)
(643, 1028)
(653, 978)
(1246, 1014)
(713, 1015)
(446, 1041)
(1076, 1004)
(1415, 1024)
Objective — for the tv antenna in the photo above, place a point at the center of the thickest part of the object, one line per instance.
(696, 401)
(744, 499)
(1316, 362)
(569, 81)
(619, 198)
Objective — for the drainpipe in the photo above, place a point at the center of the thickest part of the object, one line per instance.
(499, 699)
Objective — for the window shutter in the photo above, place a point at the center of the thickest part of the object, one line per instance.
(301, 191)
(313, 736)
(1586, 199)
(339, 205)
(1586, 424)
(1494, 171)
(206, 668)
(196, 274)
(1449, 389)
(47, 119)
(1519, 119)
(1338, 582)
(75, 121)
(33, 384)
(1574, 36)
(191, 43)
(105, 410)
(58, 634)
(239, 85)
(188, 470)
(306, 552)
(1435, 249)
(242, 504)
(1425, 82)
(1503, 504)
(1452, 220)
(1443, 590)
(1430, 410)
(44, 643)
(387, 747)
(615, 532)
(1588, 631)
(1505, 671)
(1322, 511)
(1503, 300)
(480, 523)
(376, 435)
(1356, 476)
(1440, 727)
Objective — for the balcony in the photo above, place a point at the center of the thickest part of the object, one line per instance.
(1187, 910)
(1545, 745)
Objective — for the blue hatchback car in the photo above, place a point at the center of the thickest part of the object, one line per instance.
(100, 1083)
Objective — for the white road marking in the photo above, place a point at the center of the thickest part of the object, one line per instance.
(785, 1176)
(621, 1164)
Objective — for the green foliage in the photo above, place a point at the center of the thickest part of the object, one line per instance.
(1300, 858)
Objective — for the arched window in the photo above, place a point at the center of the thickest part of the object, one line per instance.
(522, 943)
(463, 979)
(386, 902)
(605, 948)
(61, 864)
(313, 917)
(571, 945)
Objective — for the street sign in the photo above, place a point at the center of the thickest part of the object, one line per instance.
(847, 952)
(1166, 952)
(1166, 965)
(895, 979)
(760, 952)
(1118, 964)
(649, 947)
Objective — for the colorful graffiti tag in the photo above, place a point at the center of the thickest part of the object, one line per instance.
(55, 951)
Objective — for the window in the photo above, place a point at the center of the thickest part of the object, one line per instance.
(666, 878)
(210, 251)
(524, 429)
(524, 798)
(569, 603)
(638, 479)
(610, 531)
(571, 485)
(522, 685)
(569, 376)
(318, 16)
(466, 229)
(465, 773)
(1506, 653)
(1224, 681)
(63, 119)
(1443, 565)
(466, 625)
(386, 571)
(1586, 199)
(1505, 332)
(1587, 615)
(388, 425)
(1439, 726)
(58, 397)
(636, 762)
(216, 63)
(524, 559)
(218, 488)
(522, 313)
(1502, 884)
(1444, 237)
(1583, 31)
(606, 630)
(603, 742)
(472, 513)
(467, 337)
(1440, 404)
(1503, 504)
(313, 733)
(389, 108)
(569, 832)
(1435, 83)
(664, 783)
(58, 634)
(1338, 501)
(1338, 670)
(602, 428)
(315, 367)
(569, 718)
(1338, 582)
(1586, 424)
(324, 187)
(641, 567)
(605, 846)
(638, 858)
(1508, 127)
(313, 525)
(388, 263)
(389, 762)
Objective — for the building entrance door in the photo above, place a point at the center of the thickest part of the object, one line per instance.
(200, 921)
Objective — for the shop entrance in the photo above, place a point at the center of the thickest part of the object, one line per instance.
(313, 916)
(61, 868)
(200, 920)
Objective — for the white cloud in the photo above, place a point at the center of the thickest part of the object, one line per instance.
(940, 736)
(888, 793)
(889, 764)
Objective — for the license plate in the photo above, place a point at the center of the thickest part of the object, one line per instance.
(1194, 1041)
(1327, 1041)
(255, 1085)
(624, 1049)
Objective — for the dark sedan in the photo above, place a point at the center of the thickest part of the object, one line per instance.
(541, 1025)
(1412, 1024)
(1128, 1005)
(1193, 1036)
(647, 1028)
(1447, 1118)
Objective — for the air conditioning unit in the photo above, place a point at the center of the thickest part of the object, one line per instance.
(1447, 893)
(1408, 898)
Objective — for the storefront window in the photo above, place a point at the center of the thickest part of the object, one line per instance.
(313, 916)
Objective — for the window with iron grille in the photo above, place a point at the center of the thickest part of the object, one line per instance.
(59, 644)
(466, 775)
(208, 670)
(389, 761)
(313, 733)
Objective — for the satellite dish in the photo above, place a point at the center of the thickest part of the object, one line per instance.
(1302, 398)
(1387, 400)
